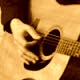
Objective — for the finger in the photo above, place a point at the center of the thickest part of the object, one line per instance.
(17, 24)
(25, 61)
(27, 44)
(32, 43)
(26, 52)
(30, 54)
(29, 59)
(26, 58)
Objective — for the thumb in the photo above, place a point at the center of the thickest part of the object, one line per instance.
(18, 26)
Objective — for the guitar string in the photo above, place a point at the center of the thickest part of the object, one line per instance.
(52, 39)
(54, 35)
(68, 42)
(50, 44)
(61, 49)
(57, 39)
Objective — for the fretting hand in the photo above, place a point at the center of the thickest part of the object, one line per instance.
(18, 28)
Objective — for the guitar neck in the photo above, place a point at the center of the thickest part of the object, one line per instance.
(68, 47)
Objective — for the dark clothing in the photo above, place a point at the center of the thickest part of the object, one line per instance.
(72, 71)
(21, 9)
(15, 9)
(68, 2)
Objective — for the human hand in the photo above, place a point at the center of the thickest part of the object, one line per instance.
(18, 29)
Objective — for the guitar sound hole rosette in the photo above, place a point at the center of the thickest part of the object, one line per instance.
(49, 44)
(46, 51)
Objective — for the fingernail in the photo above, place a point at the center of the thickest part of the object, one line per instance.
(33, 61)
(37, 58)
(27, 63)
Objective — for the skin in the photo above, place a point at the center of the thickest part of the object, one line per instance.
(18, 27)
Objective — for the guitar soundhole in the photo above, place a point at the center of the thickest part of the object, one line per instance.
(50, 42)
(28, 79)
(39, 65)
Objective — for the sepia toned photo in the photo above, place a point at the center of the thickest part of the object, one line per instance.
(39, 39)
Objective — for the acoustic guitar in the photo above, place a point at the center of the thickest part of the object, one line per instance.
(53, 49)
(58, 44)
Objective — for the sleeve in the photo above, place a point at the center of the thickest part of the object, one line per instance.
(15, 1)
(0, 2)
(10, 2)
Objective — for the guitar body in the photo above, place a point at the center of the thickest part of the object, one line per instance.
(52, 13)
(11, 64)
